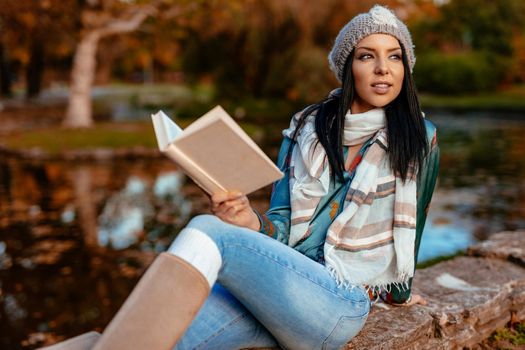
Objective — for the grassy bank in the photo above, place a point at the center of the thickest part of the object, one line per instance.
(103, 135)
(436, 260)
(106, 135)
(510, 99)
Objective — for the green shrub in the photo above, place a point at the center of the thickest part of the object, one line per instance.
(515, 336)
(458, 73)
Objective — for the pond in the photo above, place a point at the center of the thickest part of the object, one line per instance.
(481, 182)
(76, 236)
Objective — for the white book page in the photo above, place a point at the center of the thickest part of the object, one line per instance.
(166, 129)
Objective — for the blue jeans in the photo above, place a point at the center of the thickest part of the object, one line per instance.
(269, 295)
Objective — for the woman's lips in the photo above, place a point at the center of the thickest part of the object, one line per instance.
(381, 88)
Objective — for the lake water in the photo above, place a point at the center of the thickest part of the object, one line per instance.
(481, 183)
(75, 237)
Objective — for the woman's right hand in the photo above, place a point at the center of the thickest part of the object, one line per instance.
(234, 208)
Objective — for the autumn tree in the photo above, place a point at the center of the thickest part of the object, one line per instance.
(99, 19)
(5, 71)
(271, 48)
(31, 32)
(474, 41)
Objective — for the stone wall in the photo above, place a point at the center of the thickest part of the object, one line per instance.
(468, 298)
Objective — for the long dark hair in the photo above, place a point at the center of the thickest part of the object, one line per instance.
(407, 140)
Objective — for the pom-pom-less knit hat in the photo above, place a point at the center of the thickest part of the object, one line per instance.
(379, 20)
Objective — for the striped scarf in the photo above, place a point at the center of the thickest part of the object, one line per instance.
(371, 240)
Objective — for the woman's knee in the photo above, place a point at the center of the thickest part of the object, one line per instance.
(203, 222)
(210, 225)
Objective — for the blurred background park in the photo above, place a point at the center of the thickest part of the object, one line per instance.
(86, 201)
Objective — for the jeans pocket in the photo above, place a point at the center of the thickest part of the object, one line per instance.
(346, 328)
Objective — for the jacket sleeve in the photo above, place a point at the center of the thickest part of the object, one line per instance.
(276, 221)
(426, 183)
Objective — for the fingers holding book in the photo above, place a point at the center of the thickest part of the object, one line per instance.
(228, 204)
(234, 207)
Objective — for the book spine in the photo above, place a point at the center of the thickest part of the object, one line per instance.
(200, 177)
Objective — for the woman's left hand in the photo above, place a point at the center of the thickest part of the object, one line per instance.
(415, 299)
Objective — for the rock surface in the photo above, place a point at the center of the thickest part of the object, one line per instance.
(468, 298)
(504, 245)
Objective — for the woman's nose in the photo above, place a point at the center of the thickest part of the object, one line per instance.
(381, 66)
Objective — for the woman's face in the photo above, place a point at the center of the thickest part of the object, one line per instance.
(378, 72)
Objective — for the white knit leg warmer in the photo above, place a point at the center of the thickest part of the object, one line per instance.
(199, 250)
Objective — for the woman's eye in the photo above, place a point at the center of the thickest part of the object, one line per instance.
(365, 56)
(396, 57)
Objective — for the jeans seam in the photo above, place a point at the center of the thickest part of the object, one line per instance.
(293, 270)
(325, 342)
(221, 330)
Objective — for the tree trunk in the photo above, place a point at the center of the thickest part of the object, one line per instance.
(35, 69)
(79, 109)
(5, 73)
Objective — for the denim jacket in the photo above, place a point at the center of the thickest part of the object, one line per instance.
(276, 221)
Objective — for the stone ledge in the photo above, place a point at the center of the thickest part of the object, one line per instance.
(505, 245)
(468, 298)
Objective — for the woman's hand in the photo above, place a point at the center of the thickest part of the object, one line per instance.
(417, 299)
(234, 208)
(414, 299)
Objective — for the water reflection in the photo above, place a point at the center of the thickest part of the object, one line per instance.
(125, 214)
(122, 219)
(5, 259)
(481, 182)
(84, 204)
(74, 239)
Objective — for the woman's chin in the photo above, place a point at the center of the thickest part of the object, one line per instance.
(381, 101)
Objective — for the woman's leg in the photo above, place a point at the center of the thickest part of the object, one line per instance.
(223, 323)
(294, 297)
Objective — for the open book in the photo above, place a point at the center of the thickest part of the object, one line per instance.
(215, 152)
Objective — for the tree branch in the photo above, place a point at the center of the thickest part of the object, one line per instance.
(120, 25)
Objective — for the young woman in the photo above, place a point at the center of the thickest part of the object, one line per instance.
(344, 224)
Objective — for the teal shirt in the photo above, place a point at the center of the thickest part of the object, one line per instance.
(276, 221)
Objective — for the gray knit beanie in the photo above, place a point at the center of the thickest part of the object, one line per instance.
(378, 20)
